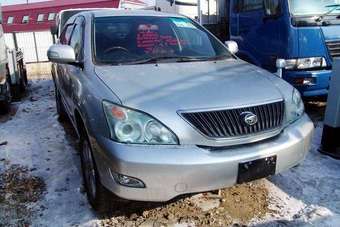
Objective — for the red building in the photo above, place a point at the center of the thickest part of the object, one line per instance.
(40, 16)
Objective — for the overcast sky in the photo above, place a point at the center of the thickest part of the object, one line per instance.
(11, 2)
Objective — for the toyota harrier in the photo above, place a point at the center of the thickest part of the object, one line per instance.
(163, 108)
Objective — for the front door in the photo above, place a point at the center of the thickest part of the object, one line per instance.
(257, 34)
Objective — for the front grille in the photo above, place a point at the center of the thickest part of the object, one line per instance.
(334, 48)
(229, 123)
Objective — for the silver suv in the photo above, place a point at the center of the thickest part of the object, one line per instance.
(162, 108)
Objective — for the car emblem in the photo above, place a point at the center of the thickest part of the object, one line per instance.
(248, 118)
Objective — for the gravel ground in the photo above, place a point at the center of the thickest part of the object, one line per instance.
(40, 183)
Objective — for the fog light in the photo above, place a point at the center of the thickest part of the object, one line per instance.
(127, 180)
(305, 81)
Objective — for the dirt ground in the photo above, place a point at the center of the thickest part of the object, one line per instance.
(40, 183)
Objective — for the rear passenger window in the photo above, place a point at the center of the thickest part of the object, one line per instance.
(66, 34)
(249, 5)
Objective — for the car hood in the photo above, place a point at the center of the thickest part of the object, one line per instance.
(188, 86)
(163, 90)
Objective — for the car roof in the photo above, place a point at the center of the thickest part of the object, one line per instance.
(81, 9)
(121, 12)
(127, 12)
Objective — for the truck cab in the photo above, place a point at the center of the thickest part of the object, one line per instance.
(5, 89)
(305, 33)
(13, 75)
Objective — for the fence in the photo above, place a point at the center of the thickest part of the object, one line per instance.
(33, 44)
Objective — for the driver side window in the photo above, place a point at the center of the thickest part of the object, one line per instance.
(272, 7)
(65, 35)
(77, 41)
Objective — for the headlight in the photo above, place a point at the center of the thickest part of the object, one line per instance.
(131, 126)
(295, 107)
(306, 63)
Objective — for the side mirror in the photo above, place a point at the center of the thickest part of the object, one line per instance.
(63, 54)
(232, 46)
(54, 30)
(280, 65)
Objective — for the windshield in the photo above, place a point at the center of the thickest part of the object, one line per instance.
(134, 39)
(313, 7)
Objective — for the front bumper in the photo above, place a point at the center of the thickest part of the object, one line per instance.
(318, 88)
(169, 171)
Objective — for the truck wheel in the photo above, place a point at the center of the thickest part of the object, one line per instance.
(16, 92)
(4, 107)
(99, 197)
(6, 104)
(23, 81)
(62, 116)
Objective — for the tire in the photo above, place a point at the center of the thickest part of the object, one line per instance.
(4, 107)
(6, 104)
(16, 92)
(23, 81)
(99, 197)
(62, 116)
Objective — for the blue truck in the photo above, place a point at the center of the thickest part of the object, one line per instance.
(305, 33)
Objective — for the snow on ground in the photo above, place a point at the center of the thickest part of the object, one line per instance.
(305, 195)
(37, 140)
(310, 193)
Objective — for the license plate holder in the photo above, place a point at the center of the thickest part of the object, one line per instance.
(256, 169)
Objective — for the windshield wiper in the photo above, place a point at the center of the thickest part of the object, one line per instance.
(218, 57)
(334, 7)
(157, 59)
(176, 58)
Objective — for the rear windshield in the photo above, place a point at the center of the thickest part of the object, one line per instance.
(127, 39)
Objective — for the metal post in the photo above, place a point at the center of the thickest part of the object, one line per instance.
(330, 143)
(15, 41)
(36, 47)
(199, 11)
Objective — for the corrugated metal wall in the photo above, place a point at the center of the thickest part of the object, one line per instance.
(44, 41)
(27, 44)
(9, 40)
(33, 44)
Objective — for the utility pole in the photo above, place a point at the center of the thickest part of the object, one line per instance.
(199, 11)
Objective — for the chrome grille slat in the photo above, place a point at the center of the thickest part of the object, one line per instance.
(220, 119)
(231, 117)
(334, 48)
(228, 123)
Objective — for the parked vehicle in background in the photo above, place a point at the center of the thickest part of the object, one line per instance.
(13, 76)
(305, 33)
(17, 72)
(5, 89)
(163, 108)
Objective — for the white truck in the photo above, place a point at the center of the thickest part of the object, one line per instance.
(212, 14)
(13, 76)
(184, 7)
